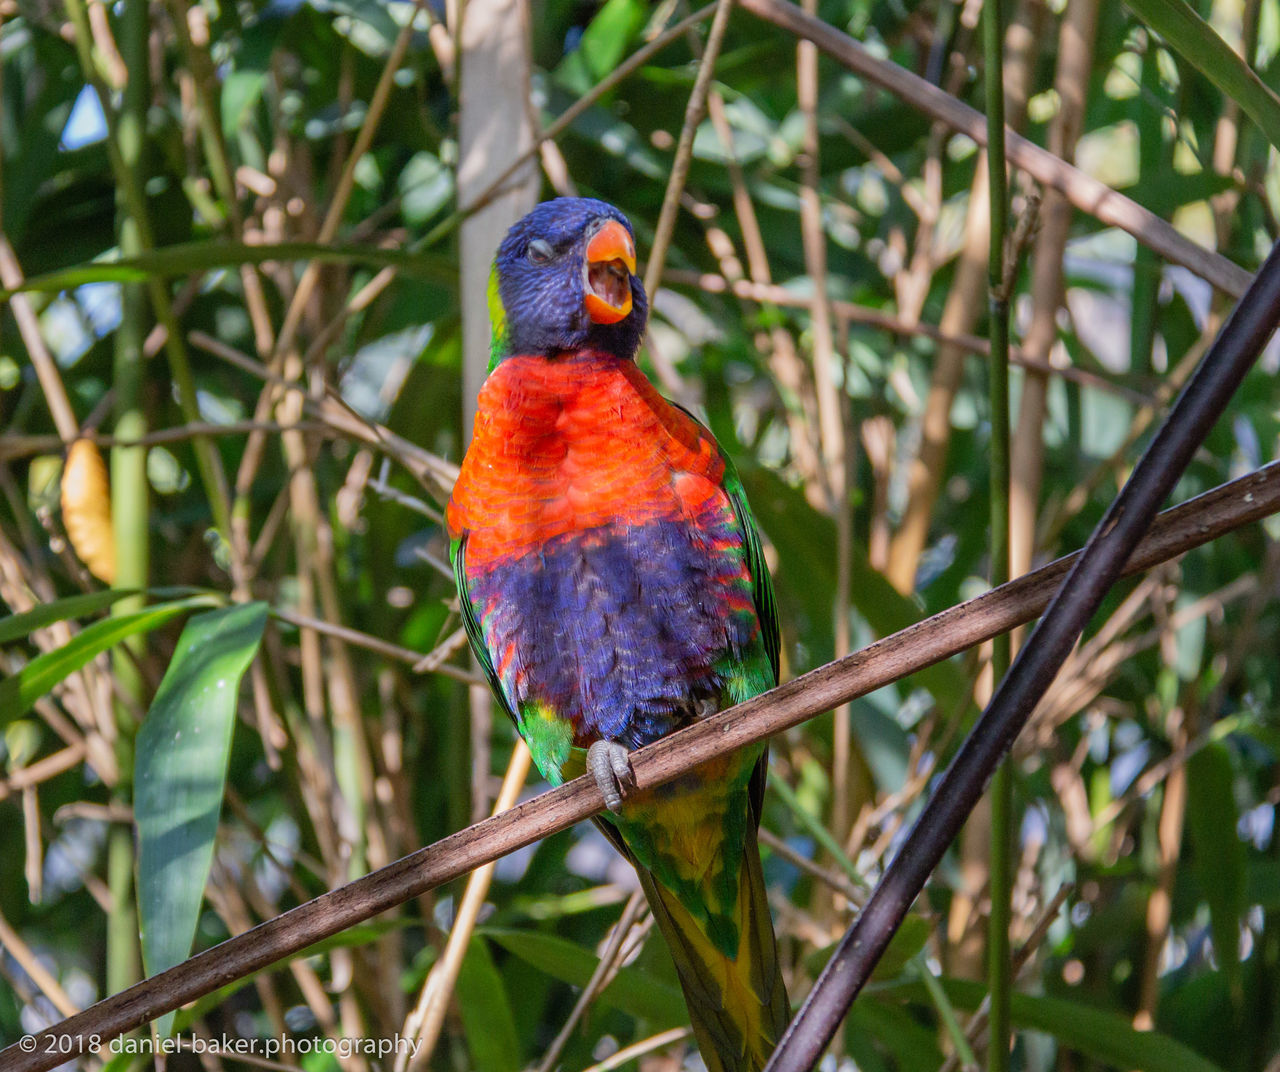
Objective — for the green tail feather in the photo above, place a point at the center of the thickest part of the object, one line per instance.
(693, 844)
(738, 1006)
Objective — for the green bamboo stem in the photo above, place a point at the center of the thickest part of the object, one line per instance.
(1146, 263)
(947, 1013)
(133, 199)
(130, 506)
(998, 952)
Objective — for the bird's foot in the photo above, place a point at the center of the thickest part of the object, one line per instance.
(610, 765)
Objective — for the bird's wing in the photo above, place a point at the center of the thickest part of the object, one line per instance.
(475, 634)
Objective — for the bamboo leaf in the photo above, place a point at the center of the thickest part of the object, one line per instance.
(21, 626)
(632, 991)
(486, 1012)
(189, 257)
(38, 677)
(874, 1025)
(1103, 1036)
(1196, 42)
(906, 942)
(1219, 859)
(180, 774)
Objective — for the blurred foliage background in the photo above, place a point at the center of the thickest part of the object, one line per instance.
(280, 427)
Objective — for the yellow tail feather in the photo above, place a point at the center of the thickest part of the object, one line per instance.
(738, 1006)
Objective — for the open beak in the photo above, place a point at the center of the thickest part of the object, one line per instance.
(611, 261)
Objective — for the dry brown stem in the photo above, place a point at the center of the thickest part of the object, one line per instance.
(1075, 59)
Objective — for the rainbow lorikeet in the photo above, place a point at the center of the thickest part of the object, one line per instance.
(613, 589)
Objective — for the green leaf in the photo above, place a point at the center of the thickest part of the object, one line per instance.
(1263, 884)
(605, 40)
(486, 1013)
(817, 830)
(631, 991)
(188, 257)
(906, 942)
(1195, 41)
(804, 538)
(38, 677)
(359, 936)
(243, 83)
(874, 1025)
(21, 626)
(1219, 858)
(1103, 1036)
(180, 774)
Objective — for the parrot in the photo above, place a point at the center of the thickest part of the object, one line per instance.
(613, 588)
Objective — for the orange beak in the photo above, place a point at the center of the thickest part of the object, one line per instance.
(611, 261)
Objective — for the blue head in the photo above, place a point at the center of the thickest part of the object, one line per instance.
(565, 280)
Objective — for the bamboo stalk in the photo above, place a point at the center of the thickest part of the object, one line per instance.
(831, 428)
(55, 394)
(124, 141)
(695, 109)
(1075, 59)
(130, 491)
(999, 975)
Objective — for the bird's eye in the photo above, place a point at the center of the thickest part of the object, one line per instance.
(540, 251)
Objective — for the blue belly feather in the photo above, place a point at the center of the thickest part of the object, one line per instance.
(619, 629)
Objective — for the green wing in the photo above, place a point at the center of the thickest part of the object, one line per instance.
(762, 585)
(766, 608)
(457, 554)
(766, 611)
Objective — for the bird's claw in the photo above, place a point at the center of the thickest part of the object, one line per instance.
(610, 765)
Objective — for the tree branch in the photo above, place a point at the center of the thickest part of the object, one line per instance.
(1175, 532)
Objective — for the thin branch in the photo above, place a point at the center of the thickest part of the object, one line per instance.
(432, 662)
(562, 122)
(55, 393)
(693, 113)
(1075, 59)
(19, 446)
(852, 313)
(695, 109)
(42, 770)
(1021, 957)
(346, 182)
(434, 472)
(135, 205)
(639, 1049)
(1174, 532)
(11, 942)
(825, 875)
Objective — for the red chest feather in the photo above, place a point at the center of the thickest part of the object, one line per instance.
(571, 444)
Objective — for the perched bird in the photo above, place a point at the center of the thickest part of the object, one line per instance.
(613, 589)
